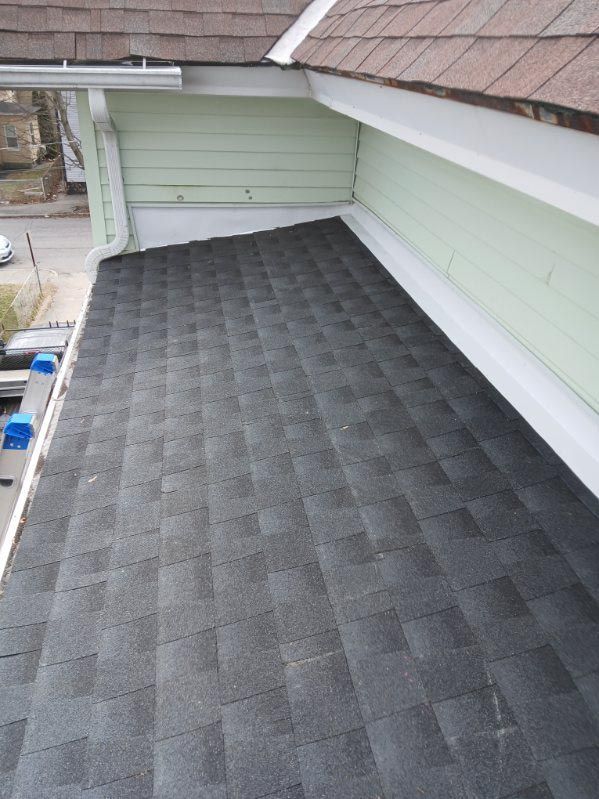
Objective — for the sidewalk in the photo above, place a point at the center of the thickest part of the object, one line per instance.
(65, 296)
(60, 244)
(64, 204)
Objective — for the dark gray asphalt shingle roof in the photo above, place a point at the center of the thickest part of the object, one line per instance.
(288, 543)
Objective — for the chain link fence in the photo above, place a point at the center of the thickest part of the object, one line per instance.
(24, 305)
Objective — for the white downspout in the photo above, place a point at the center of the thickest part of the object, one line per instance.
(101, 117)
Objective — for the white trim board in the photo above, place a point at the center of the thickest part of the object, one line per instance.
(282, 49)
(558, 415)
(550, 163)
(160, 225)
(264, 81)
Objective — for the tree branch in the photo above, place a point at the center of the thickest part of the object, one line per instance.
(58, 102)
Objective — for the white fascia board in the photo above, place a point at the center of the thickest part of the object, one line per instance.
(264, 81)
(159, 225)
(556, 165)
(558, 415)
(101, 77)
(281, 51)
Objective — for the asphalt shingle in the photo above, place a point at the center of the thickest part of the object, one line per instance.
(318, 555)
(489, 48)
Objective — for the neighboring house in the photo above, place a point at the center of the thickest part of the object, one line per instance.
(74, 172)
(320, 517)
(20, 141)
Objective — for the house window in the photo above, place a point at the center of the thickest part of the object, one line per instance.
(32, 133)
(10, 134)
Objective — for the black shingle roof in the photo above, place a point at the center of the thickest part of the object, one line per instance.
(288, 543)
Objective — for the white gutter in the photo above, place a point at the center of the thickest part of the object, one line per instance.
(282, 49)
(101, 117)
(51, 76)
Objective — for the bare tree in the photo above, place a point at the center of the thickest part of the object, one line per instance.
(55, 130)
(57, 101)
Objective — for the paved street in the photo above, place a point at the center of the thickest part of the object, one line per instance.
(60, 245)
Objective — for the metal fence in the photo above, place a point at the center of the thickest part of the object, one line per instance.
(25, 304)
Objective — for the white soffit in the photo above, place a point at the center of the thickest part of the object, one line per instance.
(558, 415)
(264, 81)
(556, 165)
(281, 51)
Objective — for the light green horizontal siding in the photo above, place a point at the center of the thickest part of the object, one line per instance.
(199, 159)
(185, 105)
(92, 171)
(203, 124)
(219, 178)
(226, 150)
(534, 268)
(215, 143)
(226, 194)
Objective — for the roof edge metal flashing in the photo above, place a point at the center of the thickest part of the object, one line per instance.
(282, 49)
(51, 76)
(102, 119)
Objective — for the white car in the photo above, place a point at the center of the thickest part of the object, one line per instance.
(6, 251)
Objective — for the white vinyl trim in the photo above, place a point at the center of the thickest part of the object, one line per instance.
(268, 80)
(282, 49)
(553, 164)
(558, 415)
(163, 224)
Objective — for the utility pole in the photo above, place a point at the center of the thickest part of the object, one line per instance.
(37, 271)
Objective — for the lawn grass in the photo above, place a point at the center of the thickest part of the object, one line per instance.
(10, 191)
(33, 172)
(8, 292)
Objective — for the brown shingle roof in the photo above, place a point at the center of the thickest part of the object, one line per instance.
(209, 31)
(515, 54)
(538, 51)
